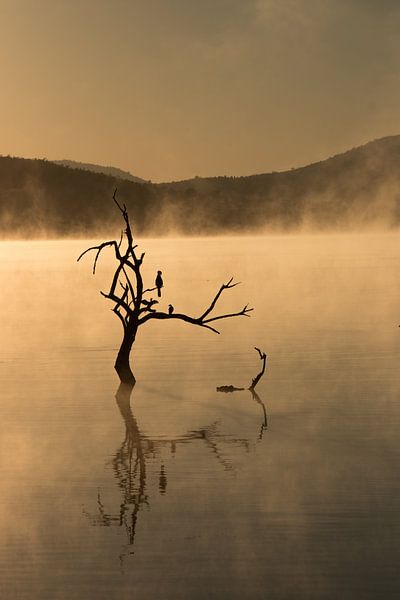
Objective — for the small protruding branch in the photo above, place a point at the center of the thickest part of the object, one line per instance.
(116, 201)
(256, 379)
(149, 290)
(244, 312)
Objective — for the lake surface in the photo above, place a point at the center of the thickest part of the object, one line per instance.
(181, 492)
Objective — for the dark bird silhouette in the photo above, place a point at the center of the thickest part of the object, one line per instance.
(170, 309)
(149, 302)
(159, 283)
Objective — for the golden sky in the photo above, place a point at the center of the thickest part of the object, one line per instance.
(169, 89)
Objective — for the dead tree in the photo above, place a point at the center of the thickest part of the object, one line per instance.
(128, 293)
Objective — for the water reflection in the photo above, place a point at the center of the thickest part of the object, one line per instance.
(130, 463)
(229, 389)
(264, 424)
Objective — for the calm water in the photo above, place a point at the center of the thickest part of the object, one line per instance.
(183, 492)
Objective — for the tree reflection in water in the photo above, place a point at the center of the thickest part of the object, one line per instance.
(129, 464)
(264, 424)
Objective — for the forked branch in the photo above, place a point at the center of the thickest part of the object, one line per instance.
(203, 320)
(224, 286)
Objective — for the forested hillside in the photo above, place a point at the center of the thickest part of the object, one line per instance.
(357, 189)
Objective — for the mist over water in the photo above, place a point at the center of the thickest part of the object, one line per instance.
(356, 191)
(185, 492)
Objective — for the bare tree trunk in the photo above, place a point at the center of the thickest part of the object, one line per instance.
(122, 365)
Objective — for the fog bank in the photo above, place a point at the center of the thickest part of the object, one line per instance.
(357, 190)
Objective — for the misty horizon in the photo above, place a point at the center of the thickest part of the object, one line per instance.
(353, 191)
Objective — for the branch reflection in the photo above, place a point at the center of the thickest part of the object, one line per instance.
(131, 458)
(264, 424)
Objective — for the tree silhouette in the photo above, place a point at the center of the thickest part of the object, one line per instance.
(128, 293)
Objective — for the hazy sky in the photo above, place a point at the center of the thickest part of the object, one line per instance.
(169, 89)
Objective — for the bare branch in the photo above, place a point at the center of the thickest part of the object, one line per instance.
(121, 318)
(115, 279)
(116, 201)
(149, 290)
(118, 302)
(240, 313)
(99, 248)
(224, 286)
(181, 317)
(210, 328)
(263, 358)
(128, 231)
(129, 284)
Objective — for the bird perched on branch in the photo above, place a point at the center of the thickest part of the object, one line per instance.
(170, 309)
(149, 304)
(159, 283)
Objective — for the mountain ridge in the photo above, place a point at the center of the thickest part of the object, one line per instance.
(95, 168)
(359, 188)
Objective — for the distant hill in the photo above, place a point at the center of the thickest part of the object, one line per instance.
(355, 190)
(113, 171)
